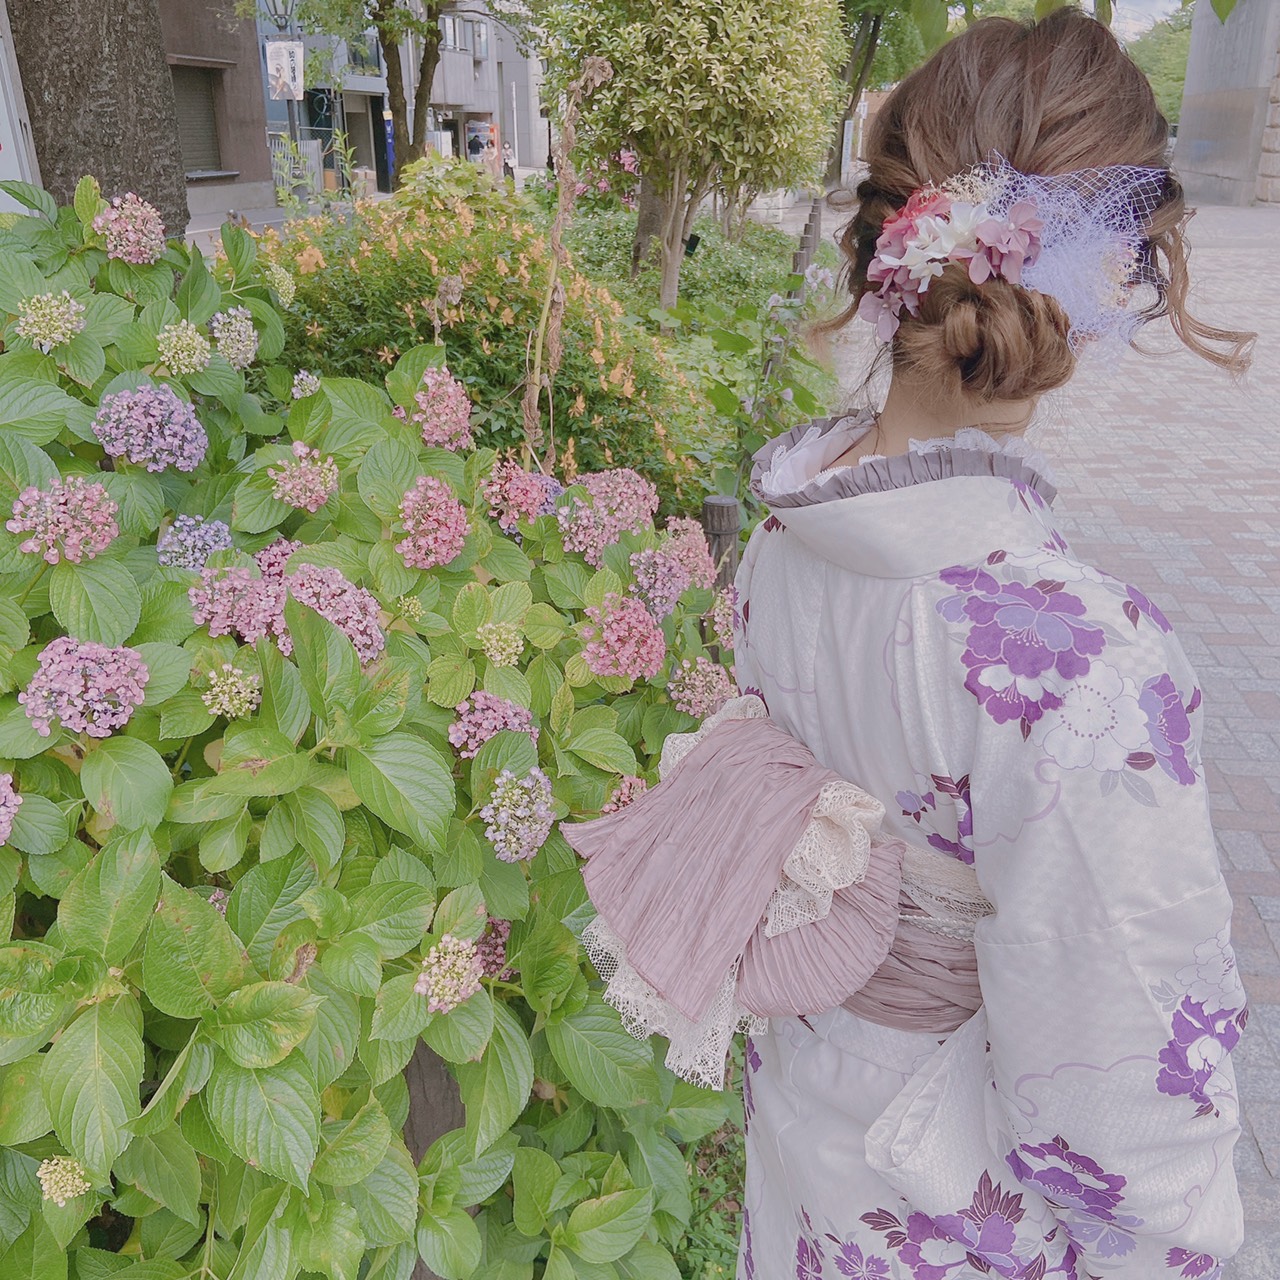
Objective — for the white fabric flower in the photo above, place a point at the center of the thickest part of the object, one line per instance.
(1099, 723)
(1213, 979)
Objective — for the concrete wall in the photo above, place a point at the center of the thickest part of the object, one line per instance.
(1269, 168)
(198, 33)
(1231, 77)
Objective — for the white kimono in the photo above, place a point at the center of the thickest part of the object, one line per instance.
(921, 626)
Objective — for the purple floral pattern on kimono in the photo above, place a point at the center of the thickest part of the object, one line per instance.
(1194, 1266)
(1086, 1197)
(752, 1063)
(748, 1262)
(1024, 641)
(1202, 1039)
(851, 1261)
(983, 1236)
(1137, 605)
(1169, 727)
(915, 806)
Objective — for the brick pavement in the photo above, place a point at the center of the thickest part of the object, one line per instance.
(1169, 479)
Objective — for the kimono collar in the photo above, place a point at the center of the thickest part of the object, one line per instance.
(946, 502)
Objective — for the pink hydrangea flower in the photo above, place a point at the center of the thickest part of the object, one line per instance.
(724, 616)
(232, 601)
(628, 789)
(519, 815)
(133, 228)
(152, 427)
(482, 716)
(620, 501)
(91, 688)
(353, 610)
(307, 481)
(74, 519)
(435, 522)
(443, 410)
(451, 973)
(273, 557)
(513, 494)
(661, 578)
(10, 801)
(491, 947)
(623, 639)
(700, 688)
(688, 544)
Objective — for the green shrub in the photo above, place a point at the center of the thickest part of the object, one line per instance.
(221, 888)
(369, 289)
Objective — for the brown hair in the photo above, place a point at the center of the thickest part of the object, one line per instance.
(1050, 97)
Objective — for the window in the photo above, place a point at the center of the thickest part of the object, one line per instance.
(448, 32)
(197, 123)
(480, 45)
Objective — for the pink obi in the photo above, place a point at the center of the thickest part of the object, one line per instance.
(751, 883)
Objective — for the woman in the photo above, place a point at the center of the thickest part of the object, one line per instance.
(1035, 1079)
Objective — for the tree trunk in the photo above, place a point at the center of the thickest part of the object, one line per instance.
(855, 73)
(650, 219)
(672, 243)
(434, 1109)
(427, 65)
(396, 100)
(100, 99)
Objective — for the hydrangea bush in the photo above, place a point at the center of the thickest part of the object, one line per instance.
(292, 702)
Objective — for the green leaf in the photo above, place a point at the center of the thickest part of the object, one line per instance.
(326, 660)
(1223, 8)
(32, 1002)
(223, 843)
(352, 1149)
(496, 1088)
(548, 963)
(107, 906)
(471, 610)
(462, 1034)
(192, 960)
(91, 1078)
(405, 378)
(330, 1241)
(184, 716)
(317, 825)
(164, 1166)
(198, 295)
(241, 250)
(256, 509)
(127, 781)
(648, 1261)
(97, 600)
(354, 964)
(387, 1199)
(261, 1024)
(399, 1012)
(449, 1243)
(359, 412)
(450, 679)
(82, 359)
(605, 749)
(168, 669)
(479, 1176)
(394, 915)
(603, 1229)
(387, 473)
(270, 1117)
(602, 1061)
(188, 1074)
(265, 900)
(506, 562)
(34, 410)
(39, 826)
(257, 761)
(406, 784)
(461, 913)
(930, 17)
(23, 1113)
(32, 197)
(534, 1179)
(34, 1255)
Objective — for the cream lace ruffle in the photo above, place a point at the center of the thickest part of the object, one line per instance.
(945, 891)
(698, 1050)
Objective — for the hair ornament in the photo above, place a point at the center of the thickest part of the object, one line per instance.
(1078, 237)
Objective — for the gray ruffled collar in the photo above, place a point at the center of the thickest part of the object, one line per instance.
(788, 471)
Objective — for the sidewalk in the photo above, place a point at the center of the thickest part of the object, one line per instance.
(1169, 479)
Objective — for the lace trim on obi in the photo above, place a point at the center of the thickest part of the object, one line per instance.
(832, 853)
(778, 480)
(698, 1050)
(945, 892)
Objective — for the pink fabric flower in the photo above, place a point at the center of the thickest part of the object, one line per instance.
(623, 639)
(444, 410)
(307, 481)
(73, 519)
(91, 688)
(1010, 245)
(152, 427)
(435, 522)
(484, 715)
(133, 228)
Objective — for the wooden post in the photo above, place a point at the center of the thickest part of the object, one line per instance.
(722, 523)
(434, 1109)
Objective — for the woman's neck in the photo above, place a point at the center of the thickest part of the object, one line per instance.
(914, 409)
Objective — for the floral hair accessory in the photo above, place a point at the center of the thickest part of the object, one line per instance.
(1078, 237)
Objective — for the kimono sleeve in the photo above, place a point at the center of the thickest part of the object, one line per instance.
(1110, 987)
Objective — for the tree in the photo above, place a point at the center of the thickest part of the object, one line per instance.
(740, 92)
(100, 99)
(1161, 53)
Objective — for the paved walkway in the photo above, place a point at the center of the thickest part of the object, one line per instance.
(1169, 479)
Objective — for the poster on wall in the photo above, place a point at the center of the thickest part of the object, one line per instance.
(284, 70)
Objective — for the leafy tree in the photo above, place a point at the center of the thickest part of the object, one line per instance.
(1162, 53)
(740, 92)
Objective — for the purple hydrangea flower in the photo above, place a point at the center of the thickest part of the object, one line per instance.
(10, 801)
(190, 541)
(91, 688)
(152, 427)
(519, 815)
